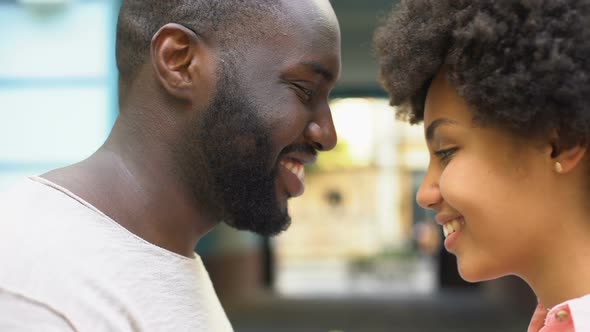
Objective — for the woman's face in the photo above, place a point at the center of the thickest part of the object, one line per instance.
(492, 189)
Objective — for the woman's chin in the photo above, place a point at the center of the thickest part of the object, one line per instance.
(476, 272)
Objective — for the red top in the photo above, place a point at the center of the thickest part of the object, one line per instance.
(570, 316)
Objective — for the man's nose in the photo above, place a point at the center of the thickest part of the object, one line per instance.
(321, 131)
(429, 196)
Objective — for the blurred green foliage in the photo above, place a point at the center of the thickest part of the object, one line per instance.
(337, 159)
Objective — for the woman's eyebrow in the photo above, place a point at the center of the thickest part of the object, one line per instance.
(430, 131)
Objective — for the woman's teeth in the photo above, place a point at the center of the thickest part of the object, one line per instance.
(452, 226)
(295, 168)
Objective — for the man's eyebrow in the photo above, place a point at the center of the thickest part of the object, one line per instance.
(435, 124)
(320, 69)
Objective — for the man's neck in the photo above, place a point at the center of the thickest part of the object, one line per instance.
(141, 195)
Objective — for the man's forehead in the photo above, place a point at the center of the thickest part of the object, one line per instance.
(317, 15)
(305, 39)
(313, 25)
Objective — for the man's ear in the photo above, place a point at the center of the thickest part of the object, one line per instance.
(176, 55)
(568, 158)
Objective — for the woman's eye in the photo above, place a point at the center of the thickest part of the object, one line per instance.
(445, 155)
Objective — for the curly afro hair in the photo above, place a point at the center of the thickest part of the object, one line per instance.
(521, 65)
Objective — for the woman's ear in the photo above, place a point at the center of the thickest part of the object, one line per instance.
(570, 158)
(566, 159)
(177, 54)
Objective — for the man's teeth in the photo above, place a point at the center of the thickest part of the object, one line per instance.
(451, 227)
(295, 168)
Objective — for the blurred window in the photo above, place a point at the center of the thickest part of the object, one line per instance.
(353, 231)
(57, 83)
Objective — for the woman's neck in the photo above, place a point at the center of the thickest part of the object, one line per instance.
(562, 269)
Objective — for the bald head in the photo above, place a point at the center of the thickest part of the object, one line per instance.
(316, 20)
(230, 22)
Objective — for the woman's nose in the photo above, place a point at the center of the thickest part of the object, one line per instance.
(429, 196)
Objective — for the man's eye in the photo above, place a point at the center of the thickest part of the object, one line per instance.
(307, 92)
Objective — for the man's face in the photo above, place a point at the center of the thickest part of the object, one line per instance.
(268, 118)
(238, 149)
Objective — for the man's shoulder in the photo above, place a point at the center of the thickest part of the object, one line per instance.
(22, 313)
(35, 218)
(27, 215)
(41, 237)
(65, 253)
(20, 192)
(32, 197)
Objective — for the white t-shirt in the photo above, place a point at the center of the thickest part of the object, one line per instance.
(65, 266)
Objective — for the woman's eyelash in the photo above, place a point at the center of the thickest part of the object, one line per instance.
(445, 154)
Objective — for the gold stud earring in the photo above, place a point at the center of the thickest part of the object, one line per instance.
(558, 167)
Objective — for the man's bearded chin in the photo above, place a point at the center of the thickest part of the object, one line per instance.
(252, 206)
(238, 151)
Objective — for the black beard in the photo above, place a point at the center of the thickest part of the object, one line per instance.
(236, 159)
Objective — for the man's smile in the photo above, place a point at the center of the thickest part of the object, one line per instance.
(291, 171)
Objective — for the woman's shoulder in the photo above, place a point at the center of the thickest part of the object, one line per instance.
(572, 315)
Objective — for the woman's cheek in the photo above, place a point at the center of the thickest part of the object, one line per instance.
(455, 186)
(447, 183)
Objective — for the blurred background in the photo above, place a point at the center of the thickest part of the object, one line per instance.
(360, 256)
